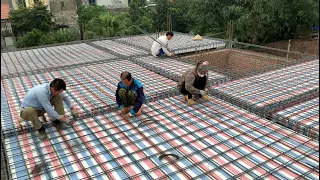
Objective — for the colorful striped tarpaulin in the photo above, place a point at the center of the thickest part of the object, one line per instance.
(210, 140)
(120, 48)
(303, 118)
(270, 91)
(91, 88)
(180, 43)
(173, 69)
(35, 60)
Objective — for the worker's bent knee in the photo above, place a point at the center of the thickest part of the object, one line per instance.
(29, 112)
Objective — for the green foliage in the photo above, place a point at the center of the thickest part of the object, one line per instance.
(107, 25)
(140, 15)
(85, 14)
(26, 19)
(255, 21)
(180, 19)
(263, 21)
(160, 17)
(38, 38)
(30, 39)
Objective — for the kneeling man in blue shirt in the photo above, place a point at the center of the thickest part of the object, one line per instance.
(129, 93)
(40, 100)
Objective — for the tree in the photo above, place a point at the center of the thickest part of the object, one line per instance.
(26, 19)
(140, 15)
(38, 38)
(180, 20)
(107, 25)
(255, 21)
(32, 38)
(264, 21)
(160, 17)
(86, 14)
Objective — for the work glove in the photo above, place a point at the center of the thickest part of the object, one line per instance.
(74, 113)
(124, 110)
(202, 92)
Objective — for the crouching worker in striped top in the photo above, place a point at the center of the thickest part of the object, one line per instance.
(129, 93)
(40, 100)
(195, 82)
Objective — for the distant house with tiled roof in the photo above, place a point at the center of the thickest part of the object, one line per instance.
(5, 9)
(6, 29)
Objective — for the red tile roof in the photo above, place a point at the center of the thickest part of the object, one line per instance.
(5, 11)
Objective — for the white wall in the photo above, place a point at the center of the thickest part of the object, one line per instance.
(113, 4)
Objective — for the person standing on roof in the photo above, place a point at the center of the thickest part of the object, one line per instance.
(129, 93)
(40, 100)
(159, 47)
(195, 82)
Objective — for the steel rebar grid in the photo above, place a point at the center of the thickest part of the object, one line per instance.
(64, 56)
(303, 118)
(88, 78)
(212, 125)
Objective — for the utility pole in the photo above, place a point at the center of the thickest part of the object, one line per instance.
(230, 33)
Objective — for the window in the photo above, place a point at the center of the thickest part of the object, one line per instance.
(62, 5)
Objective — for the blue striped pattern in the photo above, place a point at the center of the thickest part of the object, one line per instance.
(273, 90)
(213, 139)
(33, 60)
(303, 118)
(174, 69)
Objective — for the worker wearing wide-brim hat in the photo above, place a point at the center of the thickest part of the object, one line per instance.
(195, 82)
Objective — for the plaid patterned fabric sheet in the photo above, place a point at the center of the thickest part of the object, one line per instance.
(14, 90)
(180, 43)
(303, 118)
(274, 89)
(34, 60)
(174, 69)
(91, 88)
(211, 140)
(120, 48)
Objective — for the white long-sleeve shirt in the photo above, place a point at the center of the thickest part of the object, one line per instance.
(161, 42)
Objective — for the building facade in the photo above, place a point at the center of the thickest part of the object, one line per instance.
(7, 37)
(112, 4)
(64, 12)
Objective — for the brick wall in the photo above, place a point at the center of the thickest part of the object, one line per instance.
(238, 61)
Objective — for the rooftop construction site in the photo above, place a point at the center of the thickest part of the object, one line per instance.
(261, 120)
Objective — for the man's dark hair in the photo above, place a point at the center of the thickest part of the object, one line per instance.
(126, 75)
(58, 84)
(169, 33)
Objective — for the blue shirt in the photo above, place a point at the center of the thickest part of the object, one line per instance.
(138, 88)
(39, 97)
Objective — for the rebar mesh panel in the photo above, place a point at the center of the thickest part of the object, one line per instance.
(34, 60)
(120, 48)
(303, 118)
(180, 43)
(271, 91)
(92, 89)
(213, 140)
(173, 69)
(155, 86)
(15, 90)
